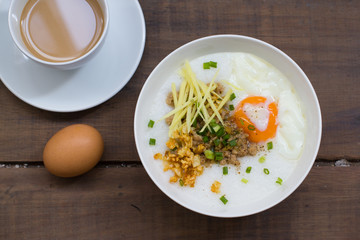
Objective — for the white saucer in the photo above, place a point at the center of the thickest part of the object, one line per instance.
(100, 79)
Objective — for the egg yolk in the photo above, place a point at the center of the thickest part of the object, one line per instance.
(242, 120)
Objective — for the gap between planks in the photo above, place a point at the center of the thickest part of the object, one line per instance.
(109, 164)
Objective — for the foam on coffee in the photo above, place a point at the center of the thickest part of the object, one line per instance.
(61, 30)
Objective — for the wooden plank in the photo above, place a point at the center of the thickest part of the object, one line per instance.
(123, 203)
(25, 130)
(321, 36)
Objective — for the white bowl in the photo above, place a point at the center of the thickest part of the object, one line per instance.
(230, 43)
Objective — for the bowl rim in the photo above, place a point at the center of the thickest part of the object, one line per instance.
(303, 75)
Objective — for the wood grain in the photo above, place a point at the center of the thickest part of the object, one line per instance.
(321, 36)
(123, 203)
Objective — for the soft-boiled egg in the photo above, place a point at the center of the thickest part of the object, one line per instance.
(258, 117)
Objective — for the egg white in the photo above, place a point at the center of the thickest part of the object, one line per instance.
(251, 76)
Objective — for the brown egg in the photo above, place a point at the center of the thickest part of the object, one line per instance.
(73, 150)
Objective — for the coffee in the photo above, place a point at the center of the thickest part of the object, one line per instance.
(61, 30)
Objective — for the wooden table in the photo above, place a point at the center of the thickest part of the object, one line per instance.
(117, 200)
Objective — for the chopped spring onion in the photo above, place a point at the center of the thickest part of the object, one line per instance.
(244, 180)
(213, 123)
(181, 182)
(220, 132)
(194, 123)
(248, 169)
(209, 154)
(216, 142)
(266, 171)
(216, 128)
(213, 64)
(225, 170)
(262, 159)
(226, 137)
(218, 156)
(223, 199)
(279, 181)
(232, 143)
(231, 107)
(205, 139)
(270, 145)
(151, 123)
(206, 65)
(232, 96)
(242, 121)
(203, 132)
(251, 127)
(152, 141)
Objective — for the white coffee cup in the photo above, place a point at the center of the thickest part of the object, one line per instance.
(15, 11)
